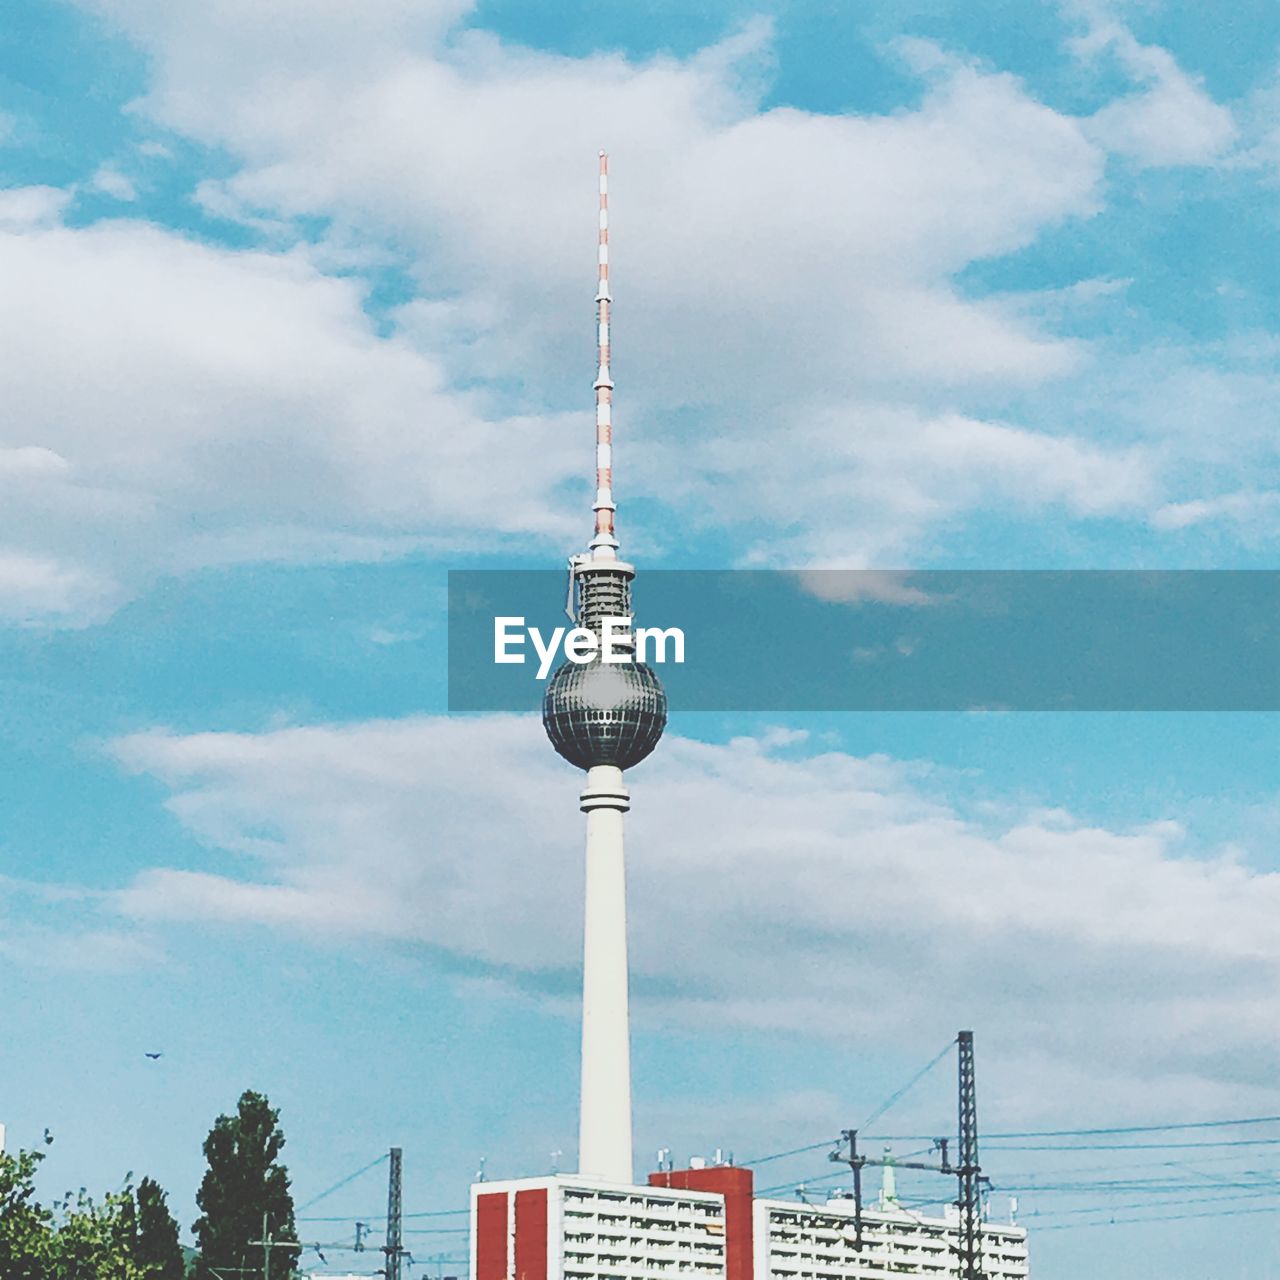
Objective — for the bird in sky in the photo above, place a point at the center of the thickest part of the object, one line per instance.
(154, 1056)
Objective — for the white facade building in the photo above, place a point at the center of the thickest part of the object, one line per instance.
(818, 1242)
(704, 1224)
(574, 1228)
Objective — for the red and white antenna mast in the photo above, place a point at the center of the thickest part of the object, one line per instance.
(604, 544)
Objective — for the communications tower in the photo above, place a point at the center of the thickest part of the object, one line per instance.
(604, 718)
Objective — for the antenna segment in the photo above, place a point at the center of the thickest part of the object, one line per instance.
(604, 544)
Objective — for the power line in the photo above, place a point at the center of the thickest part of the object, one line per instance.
(1154, 1146)
(915, 1079)
(337, 1186)
(1092, 1133)
(782, 1155)
(1110, 1130)
(1140, 1128)
(1230, 1198)
(798, 1182)
(1173, 1217)
(382, 1217)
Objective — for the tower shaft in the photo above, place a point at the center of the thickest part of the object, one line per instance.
(604, 1132)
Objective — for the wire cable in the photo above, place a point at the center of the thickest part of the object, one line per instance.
(782, 1155)
(351, 1177)
(915, 1079)
(1109, 1130)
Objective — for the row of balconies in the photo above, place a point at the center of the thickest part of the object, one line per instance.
(581, 1210)
(870, 1269)
(584, 1271)
(632, 1205)
(789, 1246)
(893, 1259)
(611, 1253)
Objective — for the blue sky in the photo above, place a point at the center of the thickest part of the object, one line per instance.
(297, 316)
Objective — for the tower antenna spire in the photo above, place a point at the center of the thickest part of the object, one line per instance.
(604, 544)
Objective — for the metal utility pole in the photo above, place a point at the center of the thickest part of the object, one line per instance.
(968, 1170)
(392, 1248)
(856, 1163)
(267, 1243)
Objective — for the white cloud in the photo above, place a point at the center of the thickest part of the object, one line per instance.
(764, 260)
(792, 345)
(39, 591)
(1171, 119)
(51, 926)
(170, 405)
(109, 181)
(22, 208)
(1251, 510)
(768, 891)
(885, 476)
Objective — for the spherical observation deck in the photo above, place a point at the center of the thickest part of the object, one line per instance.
(604, 713)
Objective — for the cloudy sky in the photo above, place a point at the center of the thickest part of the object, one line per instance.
(295, 314)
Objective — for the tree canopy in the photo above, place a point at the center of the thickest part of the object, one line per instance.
(157, 1249)
(76, 1238)
(244, 1191)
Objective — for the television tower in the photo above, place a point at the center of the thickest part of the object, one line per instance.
(604, 718)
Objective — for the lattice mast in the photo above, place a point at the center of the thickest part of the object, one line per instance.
(394, 1247)
(968, 1170)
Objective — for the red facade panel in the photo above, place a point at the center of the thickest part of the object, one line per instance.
(531, 1234)
(737, 1187)
(491, 1236)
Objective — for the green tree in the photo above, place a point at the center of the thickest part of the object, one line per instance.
(244, 1189)
(92, 1240)
(84, 1240)
(157, 1249)
(26, 1227)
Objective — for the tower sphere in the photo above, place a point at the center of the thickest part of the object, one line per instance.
(604, 713)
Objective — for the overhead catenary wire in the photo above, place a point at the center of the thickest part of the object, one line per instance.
(906, 1088)
(337, 1186)
(1152, 1146)
(382, 1217)
(1233, 1197)
(1259, 1182)
(1172, 1217)
(796, 1151)
(1108, 1130)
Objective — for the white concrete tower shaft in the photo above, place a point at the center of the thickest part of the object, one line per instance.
(604, 1126)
